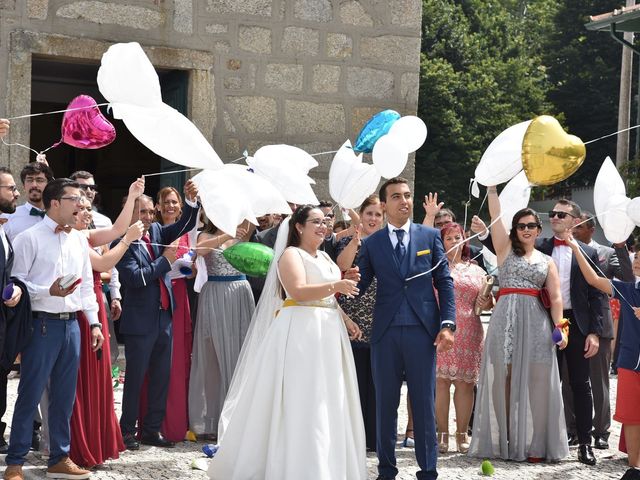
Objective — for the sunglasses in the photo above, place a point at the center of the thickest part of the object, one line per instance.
(527, 226)
(560, 215)
(89, 187)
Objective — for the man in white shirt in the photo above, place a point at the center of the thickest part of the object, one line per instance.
(34, 177)
(44, 254)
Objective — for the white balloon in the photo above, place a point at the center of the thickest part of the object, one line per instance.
(513, 197)
(410, 131)
(168, 133)
(633, 210)
(233, 194)
(287, 168)
(614, 220)
(608, 183)
(127, 76)
(389, 156)
(502, 160)
(350, 180)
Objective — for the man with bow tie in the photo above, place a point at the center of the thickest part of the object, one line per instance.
(34, 176)
(146, 318)
(44, 254)
(584, 307)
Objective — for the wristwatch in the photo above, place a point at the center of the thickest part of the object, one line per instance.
(93, 325)
(448, 324)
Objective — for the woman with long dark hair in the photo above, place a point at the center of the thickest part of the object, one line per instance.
(294, 411)
(519, 413)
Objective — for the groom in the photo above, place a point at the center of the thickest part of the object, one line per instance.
(408, 326)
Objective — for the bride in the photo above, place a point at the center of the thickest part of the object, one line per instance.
(293, 409)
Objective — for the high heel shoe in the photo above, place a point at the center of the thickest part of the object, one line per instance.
(408, 440)
(443, 442)
(462, 441)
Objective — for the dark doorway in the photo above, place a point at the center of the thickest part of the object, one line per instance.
(54, 84)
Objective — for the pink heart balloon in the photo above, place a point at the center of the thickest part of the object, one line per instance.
(84, 126)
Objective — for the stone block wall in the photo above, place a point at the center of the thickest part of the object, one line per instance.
(303, 72)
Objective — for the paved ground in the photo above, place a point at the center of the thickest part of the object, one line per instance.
(151, 463)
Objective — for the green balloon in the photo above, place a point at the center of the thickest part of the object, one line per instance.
(487, 468)
(250, 258)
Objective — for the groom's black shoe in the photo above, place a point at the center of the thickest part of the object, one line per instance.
(156, 440)
(585, 455)
(130, 441)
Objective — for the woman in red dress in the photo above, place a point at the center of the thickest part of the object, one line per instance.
(95, 432)
(176, 421)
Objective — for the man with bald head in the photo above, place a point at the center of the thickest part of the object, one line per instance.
(146, 318)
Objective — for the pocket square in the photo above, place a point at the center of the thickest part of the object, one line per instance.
(423, 252)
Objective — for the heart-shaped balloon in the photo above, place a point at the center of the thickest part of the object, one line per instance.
(84, 126)
(549, 154)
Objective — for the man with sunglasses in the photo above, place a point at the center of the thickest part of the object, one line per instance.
(583, 306)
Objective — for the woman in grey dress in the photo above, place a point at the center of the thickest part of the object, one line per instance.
(225, 307)
(519, 412)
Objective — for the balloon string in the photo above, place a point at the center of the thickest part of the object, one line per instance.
(16, 144)
(611, 134)
(323, 153)
(169, 172)
(58, 111)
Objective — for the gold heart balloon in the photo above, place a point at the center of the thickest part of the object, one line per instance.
(549, 154)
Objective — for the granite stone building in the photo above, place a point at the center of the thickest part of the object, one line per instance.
(247, 72)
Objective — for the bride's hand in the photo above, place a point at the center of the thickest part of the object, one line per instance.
(347, 287)
(353, 330)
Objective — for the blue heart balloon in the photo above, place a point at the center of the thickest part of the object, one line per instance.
(377, 126)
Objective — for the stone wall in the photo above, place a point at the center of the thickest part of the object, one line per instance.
(303, 72)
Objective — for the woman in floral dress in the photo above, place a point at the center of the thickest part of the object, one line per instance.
(460, 366)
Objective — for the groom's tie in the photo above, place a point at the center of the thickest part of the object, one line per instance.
(400, 248)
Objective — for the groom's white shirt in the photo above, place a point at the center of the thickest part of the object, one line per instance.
(394, 237)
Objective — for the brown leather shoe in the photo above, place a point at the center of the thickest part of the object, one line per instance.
(66, 469)
(13, 472)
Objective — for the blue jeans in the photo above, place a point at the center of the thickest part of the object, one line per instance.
(52, 356)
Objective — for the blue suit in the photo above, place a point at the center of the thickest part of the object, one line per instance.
(145, 326)
(406, 321)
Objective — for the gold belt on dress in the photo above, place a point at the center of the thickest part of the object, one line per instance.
(290, 302)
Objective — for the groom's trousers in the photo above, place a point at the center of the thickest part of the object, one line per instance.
(405, 352)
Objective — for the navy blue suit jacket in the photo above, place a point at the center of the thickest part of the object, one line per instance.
(139, 275)
(377, 258)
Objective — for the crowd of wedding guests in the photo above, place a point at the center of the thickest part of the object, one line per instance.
(72, 277)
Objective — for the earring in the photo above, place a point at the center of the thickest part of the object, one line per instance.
(299, 232)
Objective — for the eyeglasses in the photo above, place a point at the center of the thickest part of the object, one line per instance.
(73, 198)
(317, 222)
(84, 186)
(330, 215)
(527, 226)
(560, 215)
(12, 188)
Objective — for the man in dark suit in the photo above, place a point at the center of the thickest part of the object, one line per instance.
(583, 306)
(146, 318)
(408, 326)
(601, 362)
(8, 196)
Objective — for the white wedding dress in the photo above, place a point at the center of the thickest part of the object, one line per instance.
(297, 415)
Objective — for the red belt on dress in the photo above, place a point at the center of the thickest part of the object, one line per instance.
(533, 292)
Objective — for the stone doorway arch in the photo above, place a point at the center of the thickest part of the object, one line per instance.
(25, 44)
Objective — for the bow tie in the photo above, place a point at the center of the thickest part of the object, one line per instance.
(557, 242)
(60, 229)
(34, 212)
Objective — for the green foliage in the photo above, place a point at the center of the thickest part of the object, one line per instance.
(481, 71)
